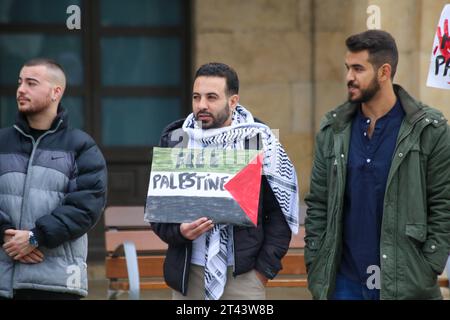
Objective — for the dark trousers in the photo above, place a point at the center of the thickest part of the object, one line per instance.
(31, 294)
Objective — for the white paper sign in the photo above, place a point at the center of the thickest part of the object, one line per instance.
(439, 71)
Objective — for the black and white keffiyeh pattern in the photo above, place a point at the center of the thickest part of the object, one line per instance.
(277, 168)
(216, 261)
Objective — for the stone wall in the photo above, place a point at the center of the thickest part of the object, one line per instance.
(289, 55)
(268, 42)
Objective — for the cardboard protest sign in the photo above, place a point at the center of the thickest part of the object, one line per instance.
(187, 184)
(439, 71)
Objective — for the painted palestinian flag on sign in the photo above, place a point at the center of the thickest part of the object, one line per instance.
(187, 184)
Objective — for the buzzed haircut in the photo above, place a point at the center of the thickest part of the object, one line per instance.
(380, 45)
(50, 64)
(217, 69)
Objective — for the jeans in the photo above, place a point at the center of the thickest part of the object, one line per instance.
(347, 289)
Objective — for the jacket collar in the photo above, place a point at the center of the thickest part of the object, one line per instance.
(340, 117)
(61, 116)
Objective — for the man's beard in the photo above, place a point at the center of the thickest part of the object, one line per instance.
(33, 108)
(217, 120)
(366, 94)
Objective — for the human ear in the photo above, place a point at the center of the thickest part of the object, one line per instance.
(384, 72)
(57, 91)
(233, 101)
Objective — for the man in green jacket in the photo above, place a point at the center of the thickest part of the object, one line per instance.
(378, 219)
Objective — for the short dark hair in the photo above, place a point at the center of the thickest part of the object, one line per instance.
(217, 69)
(49, 63)
(380, 44)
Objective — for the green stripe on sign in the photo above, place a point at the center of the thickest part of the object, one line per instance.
(201, 160)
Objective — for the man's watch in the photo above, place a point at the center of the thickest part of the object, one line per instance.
(32, 239)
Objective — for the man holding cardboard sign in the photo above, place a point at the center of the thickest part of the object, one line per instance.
(209, 260)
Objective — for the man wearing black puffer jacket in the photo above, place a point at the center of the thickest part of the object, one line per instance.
(207, 261)
(52, 191)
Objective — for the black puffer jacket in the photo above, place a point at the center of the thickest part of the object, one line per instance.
(55, 186)
(260, 248)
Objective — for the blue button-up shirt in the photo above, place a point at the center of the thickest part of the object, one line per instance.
(369, 161)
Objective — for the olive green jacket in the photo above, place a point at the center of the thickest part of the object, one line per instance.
(415, 232)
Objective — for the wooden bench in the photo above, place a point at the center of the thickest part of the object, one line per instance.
(135, 256)
(293, 273)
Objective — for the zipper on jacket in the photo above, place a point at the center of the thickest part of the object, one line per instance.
(406, 133)
(23, 195)
(30, 162)
(339, 167)
(396, 216)
(339, 184)
(35, 143)
(403, 137)
(395, 257)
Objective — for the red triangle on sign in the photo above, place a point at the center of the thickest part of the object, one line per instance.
(245, 188)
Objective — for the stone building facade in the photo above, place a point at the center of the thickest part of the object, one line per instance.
(289, 55)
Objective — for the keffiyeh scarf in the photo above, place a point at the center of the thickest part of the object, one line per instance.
(277, 168)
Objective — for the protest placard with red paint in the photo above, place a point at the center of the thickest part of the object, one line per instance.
(439, 71)
(187, 184)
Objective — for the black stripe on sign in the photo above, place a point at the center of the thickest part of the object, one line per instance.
(177, 209)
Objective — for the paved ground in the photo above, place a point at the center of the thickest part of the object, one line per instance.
(98, 289)
(98, 286)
